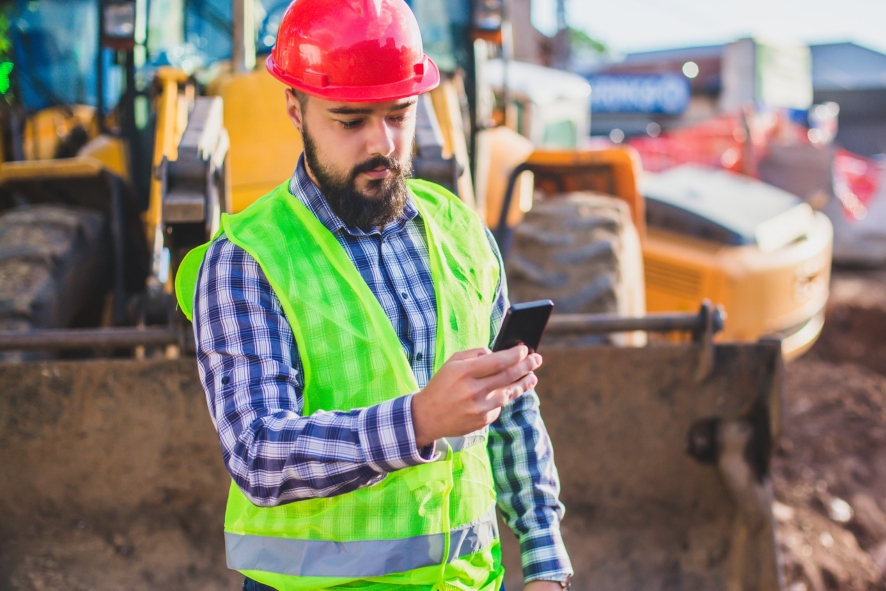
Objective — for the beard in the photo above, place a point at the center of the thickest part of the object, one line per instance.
(381, 202)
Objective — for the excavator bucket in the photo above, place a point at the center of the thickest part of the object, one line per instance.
(663, 455)
(112, 476)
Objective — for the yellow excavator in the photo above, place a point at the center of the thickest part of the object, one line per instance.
(111, 474)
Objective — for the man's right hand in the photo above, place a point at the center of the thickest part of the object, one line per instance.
(468, 391)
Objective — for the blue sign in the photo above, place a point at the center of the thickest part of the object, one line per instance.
(651, 93)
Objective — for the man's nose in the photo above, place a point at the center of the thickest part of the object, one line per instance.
(381, 138)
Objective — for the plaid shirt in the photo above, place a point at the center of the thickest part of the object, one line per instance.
(251, 372)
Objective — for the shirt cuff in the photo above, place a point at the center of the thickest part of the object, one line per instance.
(544, 556)
(387, 436)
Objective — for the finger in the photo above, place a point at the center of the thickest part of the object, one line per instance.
(497, 362)
(510, 374)
(521, 387)
(506, 395)
(470, 354)
(525, 385)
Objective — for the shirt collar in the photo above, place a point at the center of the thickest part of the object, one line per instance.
(303, 188)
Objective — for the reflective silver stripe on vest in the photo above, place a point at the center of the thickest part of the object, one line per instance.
(472, 537)
(370, 558)
(459, 443)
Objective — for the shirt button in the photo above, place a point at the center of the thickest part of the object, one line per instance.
(418, 356)
(404, 295)
(225, 380)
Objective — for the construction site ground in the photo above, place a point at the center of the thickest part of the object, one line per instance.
(829, 478)
(829, 469)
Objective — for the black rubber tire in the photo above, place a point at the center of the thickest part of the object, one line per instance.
(580, 250)
(54, 269)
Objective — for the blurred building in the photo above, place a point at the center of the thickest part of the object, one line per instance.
(621, 92)
(854, 77)
(530, 45)
(719, 77)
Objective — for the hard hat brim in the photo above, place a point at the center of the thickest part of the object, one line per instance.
(418, 84)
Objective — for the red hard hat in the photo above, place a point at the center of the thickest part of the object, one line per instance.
(352, 51)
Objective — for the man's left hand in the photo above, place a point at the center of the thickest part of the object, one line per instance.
(542, 586)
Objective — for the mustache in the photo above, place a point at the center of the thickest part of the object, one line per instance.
(392, 163)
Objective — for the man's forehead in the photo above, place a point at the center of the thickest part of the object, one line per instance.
(345, 108)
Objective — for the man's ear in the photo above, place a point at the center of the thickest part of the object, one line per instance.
(293, 109)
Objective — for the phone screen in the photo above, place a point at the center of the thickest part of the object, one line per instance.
(523, 323)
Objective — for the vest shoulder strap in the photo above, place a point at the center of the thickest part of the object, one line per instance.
(188, 272)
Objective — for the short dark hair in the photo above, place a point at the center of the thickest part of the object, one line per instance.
(302, 98)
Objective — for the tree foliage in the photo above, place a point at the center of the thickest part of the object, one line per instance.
(5, 41)
(579, 40)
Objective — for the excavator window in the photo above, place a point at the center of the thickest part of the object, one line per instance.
(54, 49)
(208, 26)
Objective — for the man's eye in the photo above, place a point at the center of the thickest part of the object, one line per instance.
(351, 124)
(399, 118)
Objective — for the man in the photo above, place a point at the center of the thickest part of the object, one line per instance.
(342, 323)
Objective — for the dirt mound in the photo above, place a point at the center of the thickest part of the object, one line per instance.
(829, 470)
(855, 330)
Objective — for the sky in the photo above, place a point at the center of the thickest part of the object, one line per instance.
(627, 26)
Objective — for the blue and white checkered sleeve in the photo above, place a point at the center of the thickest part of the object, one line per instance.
(525, 476)
(251, 372)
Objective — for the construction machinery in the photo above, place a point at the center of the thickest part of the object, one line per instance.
(755, 249)
(761, 252)
(94, 216)
(111, 473)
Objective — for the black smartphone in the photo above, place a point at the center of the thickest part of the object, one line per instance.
(523, 323)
